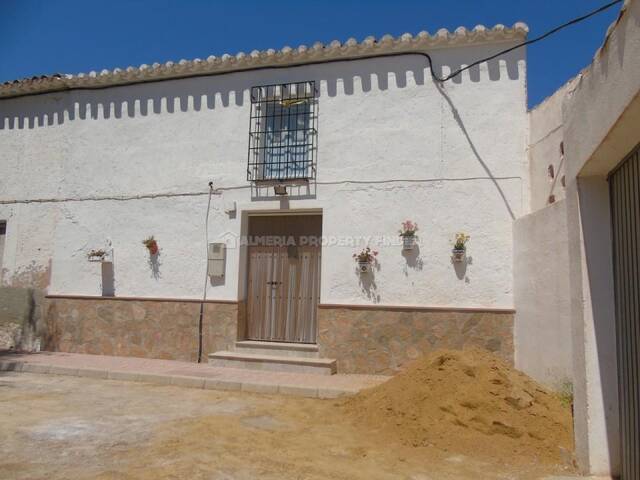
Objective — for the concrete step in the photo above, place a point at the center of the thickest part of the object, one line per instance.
(278, 349)
(320, 366)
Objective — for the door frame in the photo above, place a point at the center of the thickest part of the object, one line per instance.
(243, 277)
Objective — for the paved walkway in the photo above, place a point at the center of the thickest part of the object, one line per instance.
(186, 374)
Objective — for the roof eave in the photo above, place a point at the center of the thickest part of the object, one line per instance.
(303, 55)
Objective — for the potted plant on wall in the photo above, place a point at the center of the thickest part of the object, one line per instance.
(460, 247)
(365, 259)
(151, 244)
(408, 234)
(97, 255)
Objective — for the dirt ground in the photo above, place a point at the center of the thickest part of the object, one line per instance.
(469, 400)
(57, 427)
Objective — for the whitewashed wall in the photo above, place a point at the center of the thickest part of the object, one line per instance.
(601, 117)
(545, 138)
(451, 159)
(543, 340)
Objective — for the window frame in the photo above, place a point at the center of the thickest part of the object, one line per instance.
(274, 109)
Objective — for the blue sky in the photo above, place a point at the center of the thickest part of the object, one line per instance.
(71, 36)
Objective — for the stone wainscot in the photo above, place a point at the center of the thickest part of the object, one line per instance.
(364, 339)
(379, 339)
(151, 328)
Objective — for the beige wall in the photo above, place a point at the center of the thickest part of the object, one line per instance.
(542, 328)
(542, 331)
(596, 116)
(602, 94)
(593, 324)
(600, 126)
(600, 115)
(545, 137)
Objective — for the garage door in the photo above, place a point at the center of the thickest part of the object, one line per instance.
(624, 185)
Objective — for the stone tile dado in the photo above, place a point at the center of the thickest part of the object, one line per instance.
(150, 329)
(363, 340)
(381, 341)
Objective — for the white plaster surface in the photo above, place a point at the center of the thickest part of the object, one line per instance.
(601, 94)
(545, 136)
(598, 125)
(593, 323)
(29, 244)
(451, 160)
(600, 118)
(542, 333)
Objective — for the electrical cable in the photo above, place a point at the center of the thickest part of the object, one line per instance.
(220, 190)
(206, 277)
(491, 57)
(268, 67)
(435, 77)
(524, 44)
(363, 57)
(528, 42)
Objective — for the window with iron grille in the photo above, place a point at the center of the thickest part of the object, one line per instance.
(282, 132)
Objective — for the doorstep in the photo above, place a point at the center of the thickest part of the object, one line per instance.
(187, 374)
(279, 349)
(274, 363)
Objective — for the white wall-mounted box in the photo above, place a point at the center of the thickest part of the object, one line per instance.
(216, 259)
(229, 206)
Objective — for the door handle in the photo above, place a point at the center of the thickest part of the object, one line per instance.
(273, 283)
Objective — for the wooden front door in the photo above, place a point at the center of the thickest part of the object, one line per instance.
(284, 281)
(283, 294)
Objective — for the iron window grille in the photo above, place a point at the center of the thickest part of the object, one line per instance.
(283, 133)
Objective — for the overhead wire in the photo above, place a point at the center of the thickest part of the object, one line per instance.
(525, 43)
(434, 75)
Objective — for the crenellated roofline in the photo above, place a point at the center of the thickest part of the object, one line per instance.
(369, 47)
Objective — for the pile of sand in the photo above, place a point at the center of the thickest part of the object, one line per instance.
(468, 402)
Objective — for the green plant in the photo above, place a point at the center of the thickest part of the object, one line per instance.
(565, 393)
(461, 241)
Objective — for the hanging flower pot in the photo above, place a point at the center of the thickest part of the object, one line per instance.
(96, 255)
(408, 234)
(151, 245)
(460, 247)
(364, 267)
(365, 259)
(458, 254)
(408, 242)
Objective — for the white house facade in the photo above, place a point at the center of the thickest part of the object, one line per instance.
(360, 136)
(213, 208)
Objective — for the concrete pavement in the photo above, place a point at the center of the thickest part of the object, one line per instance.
(186, 374)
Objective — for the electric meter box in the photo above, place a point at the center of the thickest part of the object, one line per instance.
(217, 253)
(229, 206)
